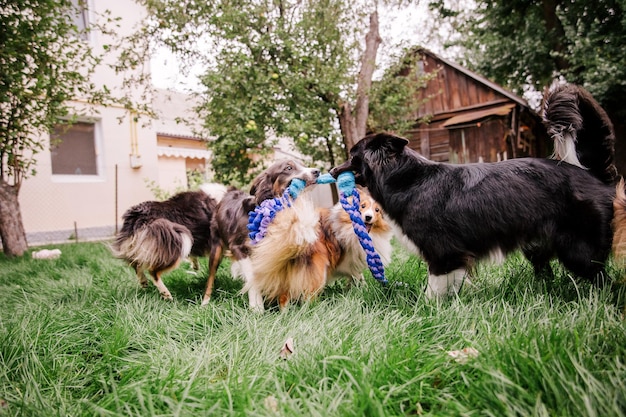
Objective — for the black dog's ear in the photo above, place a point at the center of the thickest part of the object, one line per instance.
(382, 147)
(385, 142)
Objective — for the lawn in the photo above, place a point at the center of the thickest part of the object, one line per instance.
(78, 337)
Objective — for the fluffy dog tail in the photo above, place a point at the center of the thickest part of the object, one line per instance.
(214, 190)
(582, 131)
(619, 225)
(158, 246)
(286, 261)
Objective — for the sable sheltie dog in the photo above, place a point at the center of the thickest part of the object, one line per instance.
(453, 215)
(305, 248)
(157, 235)
(231, 220)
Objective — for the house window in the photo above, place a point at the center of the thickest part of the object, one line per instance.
(73, 149)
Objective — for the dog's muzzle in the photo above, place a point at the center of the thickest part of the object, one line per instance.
(341, 168)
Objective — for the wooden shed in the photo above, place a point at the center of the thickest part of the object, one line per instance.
(471, 119)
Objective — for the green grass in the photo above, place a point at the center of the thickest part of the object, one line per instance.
(78, 337)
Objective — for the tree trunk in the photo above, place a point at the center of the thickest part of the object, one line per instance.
(368, 65)
(12, 231)
(555, 29)
(353, 126)
(347, 126)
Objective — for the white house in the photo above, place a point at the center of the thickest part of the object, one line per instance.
(107, 162)
(110, 161)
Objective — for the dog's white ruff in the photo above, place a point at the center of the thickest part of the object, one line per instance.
(404, 239)
(496, 256)
(306, 228)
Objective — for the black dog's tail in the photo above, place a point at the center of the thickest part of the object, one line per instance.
(582, 131)
(157, 246)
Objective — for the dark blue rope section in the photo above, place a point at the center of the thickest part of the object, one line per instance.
(374, 262)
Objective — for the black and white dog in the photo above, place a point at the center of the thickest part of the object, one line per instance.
(454, 215)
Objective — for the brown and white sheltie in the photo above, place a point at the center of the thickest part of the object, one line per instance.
(231, 220)
(306, 248)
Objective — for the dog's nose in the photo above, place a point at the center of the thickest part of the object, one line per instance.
(316, 173)
(368, 218)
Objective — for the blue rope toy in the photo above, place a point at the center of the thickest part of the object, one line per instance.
(262, 216)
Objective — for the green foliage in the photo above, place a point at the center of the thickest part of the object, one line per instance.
(595, 40)
(44, 64)
(272, 70)
(278, 72)
(394, 105)
(527, 44)
(79, 337)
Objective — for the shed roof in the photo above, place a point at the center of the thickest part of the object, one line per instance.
(475, 76)
(479, 114)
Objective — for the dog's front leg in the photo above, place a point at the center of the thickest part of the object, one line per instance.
(255, 299)
(215, 257)
(446, 284)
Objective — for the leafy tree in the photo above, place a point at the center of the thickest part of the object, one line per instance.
(43, 65)
(394, 107)
(279, 73)
(283, 68)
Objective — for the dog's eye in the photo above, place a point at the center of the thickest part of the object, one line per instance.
(377, 209)
(288, 168)
(362, 205)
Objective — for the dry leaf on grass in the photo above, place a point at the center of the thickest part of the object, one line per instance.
(463, 355)
(271, 403)
(287, 349)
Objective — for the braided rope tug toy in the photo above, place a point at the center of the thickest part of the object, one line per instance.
(263, 214)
